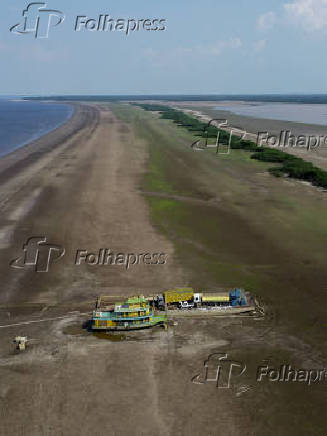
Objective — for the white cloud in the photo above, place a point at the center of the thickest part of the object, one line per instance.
(260, 45)
(217, 48)
(235, 43)
(266, 21)
(311, 14)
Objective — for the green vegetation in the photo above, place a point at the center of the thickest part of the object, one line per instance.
(197, 127)
(229, 224)
(179, 188)
(292, 166)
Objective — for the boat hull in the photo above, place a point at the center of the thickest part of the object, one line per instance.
(127, 328)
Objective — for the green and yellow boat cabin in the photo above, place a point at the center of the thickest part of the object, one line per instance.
(134, 313)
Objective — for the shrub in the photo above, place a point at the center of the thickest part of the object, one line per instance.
(292, 166)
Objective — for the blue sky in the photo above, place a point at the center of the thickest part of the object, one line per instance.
(208, 47)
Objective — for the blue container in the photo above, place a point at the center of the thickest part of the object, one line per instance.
(235, 293)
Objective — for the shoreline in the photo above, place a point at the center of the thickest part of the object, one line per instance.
(17, 160)
(307, 114)
(206, 112)
(38, 136)
(250, 123)
(81, 188)
(25, 174)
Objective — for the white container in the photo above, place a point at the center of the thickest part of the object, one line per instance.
(197, 298)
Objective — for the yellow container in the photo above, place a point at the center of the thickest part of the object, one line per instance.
(176, 295)
(215, 298)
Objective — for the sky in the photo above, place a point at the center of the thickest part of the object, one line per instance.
(207, 47)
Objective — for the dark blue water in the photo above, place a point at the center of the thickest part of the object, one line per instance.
(24, 121)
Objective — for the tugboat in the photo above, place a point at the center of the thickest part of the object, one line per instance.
(134, 313)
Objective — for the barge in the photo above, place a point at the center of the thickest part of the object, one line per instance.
(145, 312)
(188, 299)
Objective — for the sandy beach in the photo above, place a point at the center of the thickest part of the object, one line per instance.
(82, 187)
(78, 186)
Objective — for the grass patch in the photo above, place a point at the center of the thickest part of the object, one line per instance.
(247, 233)
(155, 178)
(292, 166)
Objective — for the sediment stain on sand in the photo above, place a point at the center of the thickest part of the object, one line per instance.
(95, 203)
(82, 385)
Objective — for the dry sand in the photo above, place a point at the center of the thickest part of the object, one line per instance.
(78, 186)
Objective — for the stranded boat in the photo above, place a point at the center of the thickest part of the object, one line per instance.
(134, 313)
(143, 312)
